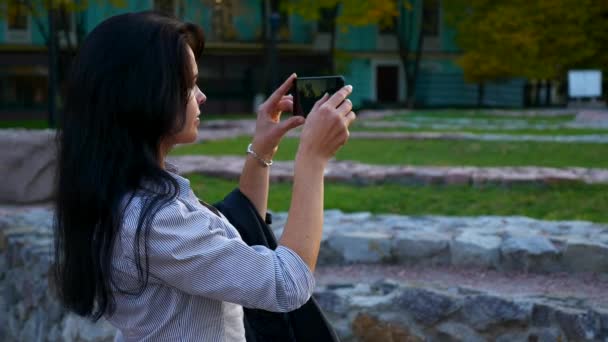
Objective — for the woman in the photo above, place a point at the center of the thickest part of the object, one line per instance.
(133, 243)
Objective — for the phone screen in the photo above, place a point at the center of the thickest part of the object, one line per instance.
(309, 90)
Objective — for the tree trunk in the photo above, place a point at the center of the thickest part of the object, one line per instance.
(403, 41)
(411, 89)
(267, 46)
(480, 94)
(332, 40)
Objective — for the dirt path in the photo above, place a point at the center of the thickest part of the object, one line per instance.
(582, 287)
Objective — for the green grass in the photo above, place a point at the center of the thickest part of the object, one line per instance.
(229, 116)
(29, 124)
(43, 124)
(572, 201)
(560, 131)
(481, 115)
(434, 152)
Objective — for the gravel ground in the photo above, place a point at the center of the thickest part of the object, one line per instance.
(588, 287)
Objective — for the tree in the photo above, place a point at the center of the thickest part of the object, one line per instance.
(540, 39)
(57, 21)
(343, 14)
(409, 34)
(64, 11)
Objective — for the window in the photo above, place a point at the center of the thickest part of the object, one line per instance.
(165, 6)
(222, 23)
(64, 20)
(389, 28)
(17, 22)
(283, 29)
(430, 17)
(326, 20)
(17, 15)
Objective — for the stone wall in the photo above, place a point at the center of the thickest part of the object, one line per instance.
(29, 310)
(27, 165)
(387, 311)
(381, 311)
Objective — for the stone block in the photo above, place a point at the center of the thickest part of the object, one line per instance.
(542, 315)
(79, 329)
(370, 329)
(27, 165)
(427, 307)
(474, 249)
(579, 325)
(328, 255)
(457, 332)
(529, 253)
(484, 311)
(585, 256)
(421, 247)
(545, 335)
(332, 302)
(362, 247)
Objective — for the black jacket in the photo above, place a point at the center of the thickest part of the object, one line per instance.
(307, 323)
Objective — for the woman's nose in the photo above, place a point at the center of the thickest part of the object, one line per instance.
(200, 97)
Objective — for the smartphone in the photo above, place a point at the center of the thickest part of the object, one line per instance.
(308, 90)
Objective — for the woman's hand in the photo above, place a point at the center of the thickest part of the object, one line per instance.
(326, 127)
(268, 128)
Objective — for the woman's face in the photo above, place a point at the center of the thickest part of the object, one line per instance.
(189, 132)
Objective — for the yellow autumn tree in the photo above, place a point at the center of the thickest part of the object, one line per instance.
(344, 14)
(539, 39)
(57, 21)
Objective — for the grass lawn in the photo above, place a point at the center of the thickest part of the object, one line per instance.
(560, 131)
(556, 202)
(433, 152)
(480, 115)
(29, 124)
(43, 124)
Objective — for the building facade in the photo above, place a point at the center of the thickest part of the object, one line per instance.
(253, 45)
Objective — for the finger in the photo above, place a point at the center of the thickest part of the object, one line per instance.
(285, 105)
(339, 96)
(345, 107)
(290, 123)
(349, 118)
(320, 102)
(281, 90)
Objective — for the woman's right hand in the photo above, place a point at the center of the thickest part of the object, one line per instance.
(326, 127)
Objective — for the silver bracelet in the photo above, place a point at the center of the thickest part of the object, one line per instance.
(250, 150)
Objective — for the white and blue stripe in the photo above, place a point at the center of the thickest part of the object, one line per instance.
(201, 274)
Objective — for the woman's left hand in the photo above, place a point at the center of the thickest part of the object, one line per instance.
(269, 129)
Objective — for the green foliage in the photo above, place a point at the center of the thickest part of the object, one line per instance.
(534, 39)
(551, 202)
(351, 13)
(39, 8)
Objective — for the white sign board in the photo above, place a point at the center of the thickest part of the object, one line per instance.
(584, 83)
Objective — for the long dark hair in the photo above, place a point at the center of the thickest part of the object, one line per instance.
(127, 91)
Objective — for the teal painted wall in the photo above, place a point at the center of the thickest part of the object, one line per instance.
(359, 75)
(2, 31)
(301, 30)
(357, 39)
(248, 23)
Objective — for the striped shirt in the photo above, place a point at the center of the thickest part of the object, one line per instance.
(201, 274)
